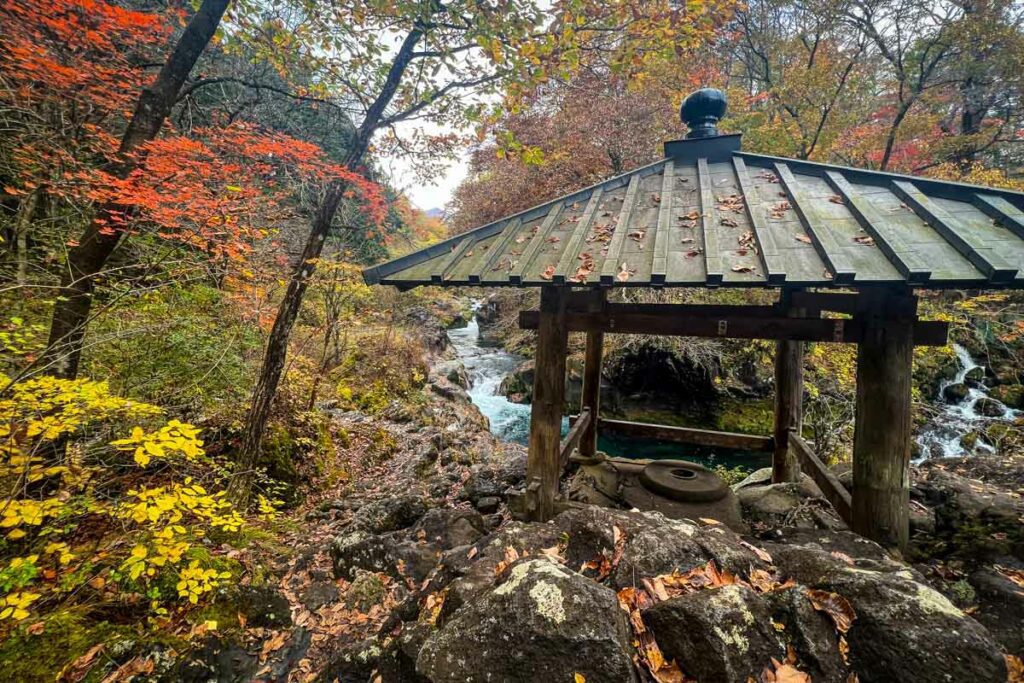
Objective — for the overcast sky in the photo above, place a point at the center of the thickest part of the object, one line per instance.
(434, 195)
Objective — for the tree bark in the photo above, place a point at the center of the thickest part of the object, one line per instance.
(71, 312)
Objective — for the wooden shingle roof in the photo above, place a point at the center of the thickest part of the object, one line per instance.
(710, 215)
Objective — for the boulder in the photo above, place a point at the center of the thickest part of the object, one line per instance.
(449, 527)
(771, 506)
(357, 549)
(543, 622)
(973, 519)
(975, 377)
(1000, 607)
(955, 393)
(904, 630)
(389, 514)
(1011, 395)
(724, 634)
(494, 478)
(989, 407)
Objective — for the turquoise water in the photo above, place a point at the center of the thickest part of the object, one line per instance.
(487, 366)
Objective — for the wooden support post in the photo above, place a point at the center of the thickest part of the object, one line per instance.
(789, 394)
(543, 466)
(881, 440)
(592, 382)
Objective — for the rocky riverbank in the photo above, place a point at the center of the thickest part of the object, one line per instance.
(414, 571)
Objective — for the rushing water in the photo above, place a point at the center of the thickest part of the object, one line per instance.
(942, 436)
(487, 366)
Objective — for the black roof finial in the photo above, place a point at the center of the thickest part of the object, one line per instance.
(701, 111)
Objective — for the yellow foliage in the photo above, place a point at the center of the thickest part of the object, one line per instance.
(195, 580)
(15, 605)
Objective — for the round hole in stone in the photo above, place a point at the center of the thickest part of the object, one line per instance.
(683, 474)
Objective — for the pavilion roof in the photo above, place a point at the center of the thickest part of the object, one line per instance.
(711, 215)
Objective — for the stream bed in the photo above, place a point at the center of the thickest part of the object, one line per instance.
(488, 365)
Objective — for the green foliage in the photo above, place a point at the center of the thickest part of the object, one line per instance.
(176, 347)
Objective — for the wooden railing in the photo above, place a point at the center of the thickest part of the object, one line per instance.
(572, 440)
(700, 437)
(829, 484)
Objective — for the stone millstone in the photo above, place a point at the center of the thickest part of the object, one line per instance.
(544, 623)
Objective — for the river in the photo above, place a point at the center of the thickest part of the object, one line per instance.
(487, 366)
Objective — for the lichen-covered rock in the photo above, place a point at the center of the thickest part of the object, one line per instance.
(357, 549)
(353, 663)
(543, 623)
(724, 634)
(904, 630)
(653, 552)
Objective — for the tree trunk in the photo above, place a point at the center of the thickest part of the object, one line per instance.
(97, 243)
(277, 348)
(277, 345)
(22, 223)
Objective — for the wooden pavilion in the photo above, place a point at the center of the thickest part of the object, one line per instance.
(711, 215)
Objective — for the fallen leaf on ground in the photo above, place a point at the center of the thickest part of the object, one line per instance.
(834, 605)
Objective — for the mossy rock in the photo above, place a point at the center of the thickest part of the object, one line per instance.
(1010, 394)
(66, 636)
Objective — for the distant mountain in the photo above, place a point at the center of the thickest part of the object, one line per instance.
(435, 212)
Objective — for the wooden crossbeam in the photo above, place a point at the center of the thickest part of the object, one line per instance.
(700, 437)
(926, 332)
(829, 484)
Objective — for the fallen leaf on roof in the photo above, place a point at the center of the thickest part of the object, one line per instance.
(656, 198)
(732, 202)
(739, 268)
(866, 240)
(837, 199)
(691, 216)
(693, 252)
(687, 240)
(801, 237)
(779, 209)
(730, 223)
(553, 239)
(625, 272)
(548, 273)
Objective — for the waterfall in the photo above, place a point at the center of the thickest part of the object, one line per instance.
(943, 436)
